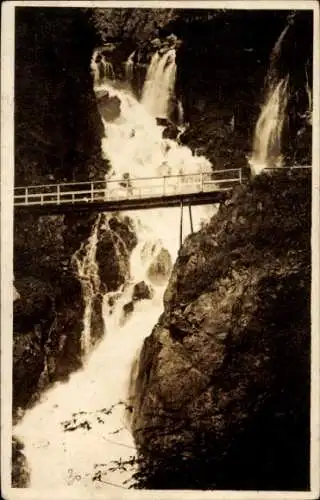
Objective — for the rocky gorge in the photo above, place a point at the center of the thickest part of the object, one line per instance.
(221, 386)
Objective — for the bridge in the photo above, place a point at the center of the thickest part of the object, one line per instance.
(127, 193)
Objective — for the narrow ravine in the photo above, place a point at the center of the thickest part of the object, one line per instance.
(78, 434)
(186, 364)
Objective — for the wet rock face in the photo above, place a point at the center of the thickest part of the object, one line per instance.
(222, 392)
(47, 314)
(124, 228)
(116, 240)
(160, 268)
(113, 261)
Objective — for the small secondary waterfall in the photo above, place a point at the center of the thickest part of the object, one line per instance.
(101, 68)
(309, 94)
(129, 66)
(268, 130)
(84, 260)
(267, 137)
(158, 89)
(77, 436)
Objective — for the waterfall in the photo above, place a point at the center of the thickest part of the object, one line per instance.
(87, 268)
(129, 65)
(309, 95)
(77, 436)
(180, 113)
(268, 130)
(101, 68)
(158, 89)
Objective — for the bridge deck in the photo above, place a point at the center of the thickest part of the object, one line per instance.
(127, 194)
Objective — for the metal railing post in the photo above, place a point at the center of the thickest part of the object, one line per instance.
(240, 175)
(58, 194)
(91, 191)
(26, 196)
(164, 185)
(201, 180)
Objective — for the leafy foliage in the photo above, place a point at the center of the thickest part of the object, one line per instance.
(84, 419)
(134, 24)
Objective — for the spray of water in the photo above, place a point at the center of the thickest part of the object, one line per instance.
(77, 436)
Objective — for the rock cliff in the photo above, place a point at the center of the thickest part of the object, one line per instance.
(57, 137)
(222, 392)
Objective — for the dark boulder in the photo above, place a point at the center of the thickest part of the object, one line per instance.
(109, 107)
(127, 312)
(171, 131)
(162, 122)
(142, 291)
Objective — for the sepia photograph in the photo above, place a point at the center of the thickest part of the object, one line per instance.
(160, 250)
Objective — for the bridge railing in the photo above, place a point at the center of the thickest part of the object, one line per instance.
(127, 188)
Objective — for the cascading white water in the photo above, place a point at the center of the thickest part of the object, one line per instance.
(101, 68)
(180, 113)
(129, 65)
(72, 436)
(267, 137)
(159, 85)
(84, 260)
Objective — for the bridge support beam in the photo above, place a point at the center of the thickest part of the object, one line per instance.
(181, 222)
(190, 217)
